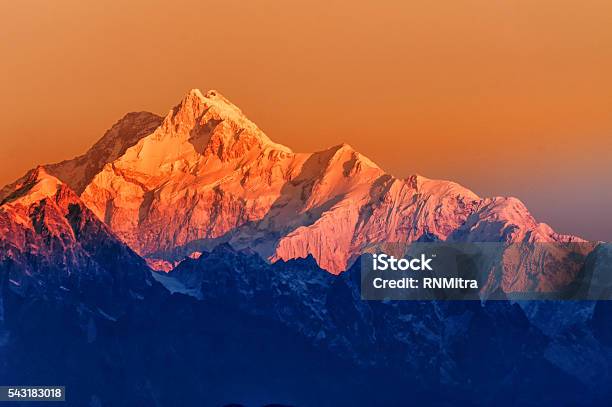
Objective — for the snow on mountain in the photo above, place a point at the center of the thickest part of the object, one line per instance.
(205, 181)
(52, 245)
(78, 172)
(205, 174)
(209, 175)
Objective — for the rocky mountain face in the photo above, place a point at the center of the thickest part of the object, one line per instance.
(79, 171)
(53, 246)
(435, 346)
(203, 175)
(248, 230)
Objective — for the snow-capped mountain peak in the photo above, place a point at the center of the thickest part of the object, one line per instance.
(35, 186)
(205, 174)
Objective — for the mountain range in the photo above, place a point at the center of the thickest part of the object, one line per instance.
(204, 174)
(188, 259)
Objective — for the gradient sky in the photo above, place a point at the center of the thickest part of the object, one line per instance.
(505, 97)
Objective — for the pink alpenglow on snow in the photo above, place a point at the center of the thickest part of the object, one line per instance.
(204, 174)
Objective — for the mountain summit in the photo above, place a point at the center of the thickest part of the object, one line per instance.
(205, 174)
(52, 245)
(243, 225)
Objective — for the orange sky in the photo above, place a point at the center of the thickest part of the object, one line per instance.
(506, 97)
